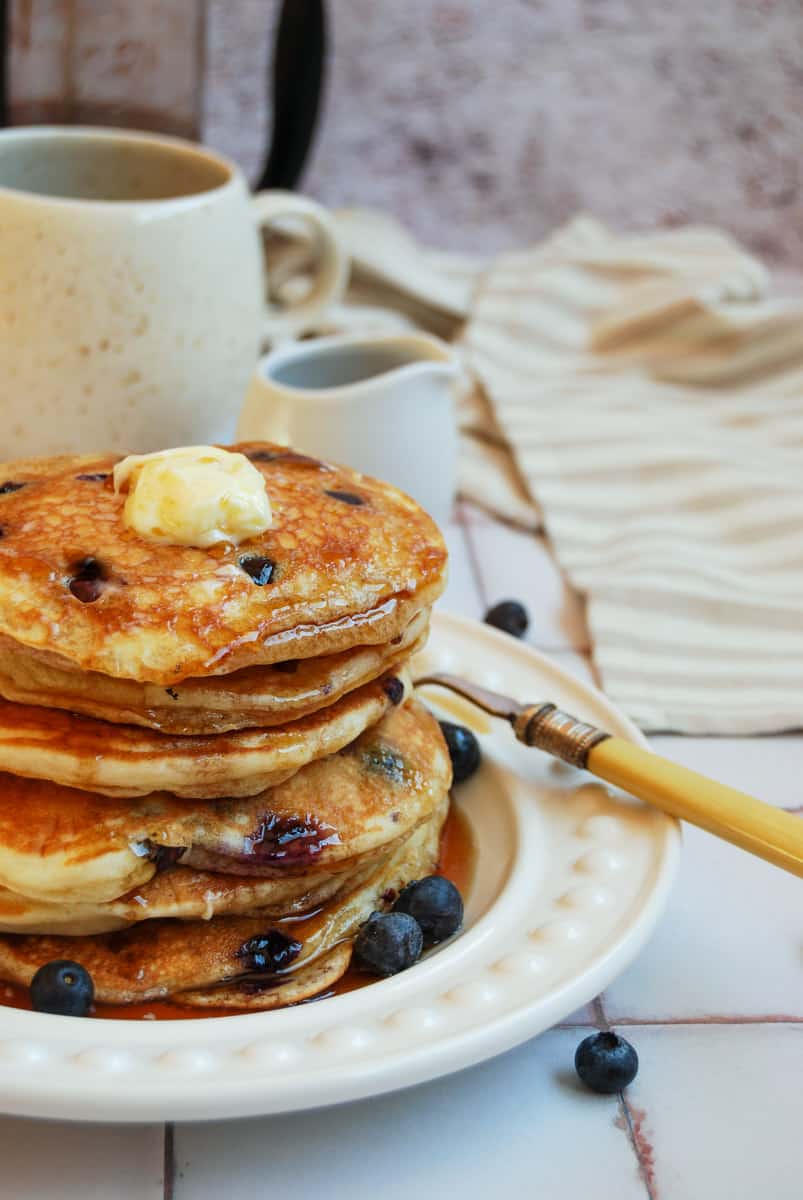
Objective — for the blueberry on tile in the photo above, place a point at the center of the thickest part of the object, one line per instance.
(606, 1062)
(510, 616)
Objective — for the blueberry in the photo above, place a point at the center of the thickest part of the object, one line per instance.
(346, 497)
(383, 761)
(388, 943)
(86, 590)
(509, 616)
(436, 905)
(393, 688)
(270, 951)
(258, 567)
(87, 579)
(605, 1062)
(62, 987)
(464, 750)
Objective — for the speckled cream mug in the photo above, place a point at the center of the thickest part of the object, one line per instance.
(132, 296)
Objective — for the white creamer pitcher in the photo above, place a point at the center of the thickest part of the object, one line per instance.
(381, 404)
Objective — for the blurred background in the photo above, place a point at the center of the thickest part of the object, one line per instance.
(480, 125)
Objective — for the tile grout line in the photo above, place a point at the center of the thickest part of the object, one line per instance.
(718, 1022)
(581, 651)
(628, 1121)
(169, 1162)
(473, 560)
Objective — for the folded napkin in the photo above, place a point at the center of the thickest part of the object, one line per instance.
(642, 398)
(653, 400)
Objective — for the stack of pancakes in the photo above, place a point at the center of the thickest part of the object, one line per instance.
(212, 767)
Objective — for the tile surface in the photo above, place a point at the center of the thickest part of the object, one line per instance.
(716, 1112)
(49, 1160)
(513, 564)
(730, 944)
(503, 1128)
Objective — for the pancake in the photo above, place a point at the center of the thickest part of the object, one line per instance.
(126, 760)
(353, 560)
(187, 960)
(65, 847)
(252, 697)
(179, 893)
(304, 984)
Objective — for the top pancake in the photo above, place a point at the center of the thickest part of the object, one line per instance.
(353, 560)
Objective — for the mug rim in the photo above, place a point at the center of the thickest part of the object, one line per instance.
(184, 146)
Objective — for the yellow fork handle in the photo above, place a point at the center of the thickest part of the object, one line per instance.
(751, 824)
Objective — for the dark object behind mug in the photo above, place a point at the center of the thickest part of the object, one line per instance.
(299, 59)
(149, 57)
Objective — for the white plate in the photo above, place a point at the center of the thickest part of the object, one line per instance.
(570, 881)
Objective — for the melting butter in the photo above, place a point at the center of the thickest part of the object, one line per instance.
(193, 496)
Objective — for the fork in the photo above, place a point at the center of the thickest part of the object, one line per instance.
(768, 832)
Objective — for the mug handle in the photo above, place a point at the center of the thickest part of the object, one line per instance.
(333, 262)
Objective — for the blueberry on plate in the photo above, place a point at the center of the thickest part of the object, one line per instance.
(388, 943)
(606, 1062)
(62, 987)
(510, 616)
(464, 750)
(436, 905)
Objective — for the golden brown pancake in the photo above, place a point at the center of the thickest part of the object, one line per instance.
(73, 848)
(179, 893)
(186, 960)
(249, 698)
(126, 760)
(352, 560)
(308, 981)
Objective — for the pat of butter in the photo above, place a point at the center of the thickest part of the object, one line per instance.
(193, 496)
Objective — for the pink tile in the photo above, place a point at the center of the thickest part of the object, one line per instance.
(716, 1112)
(728, 946)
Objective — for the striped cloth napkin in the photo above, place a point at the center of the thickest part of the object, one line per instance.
(642, 398)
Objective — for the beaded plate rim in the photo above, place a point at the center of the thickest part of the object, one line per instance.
(499, 983)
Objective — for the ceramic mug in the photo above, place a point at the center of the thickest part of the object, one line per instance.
(382, 404)
(132, 296)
